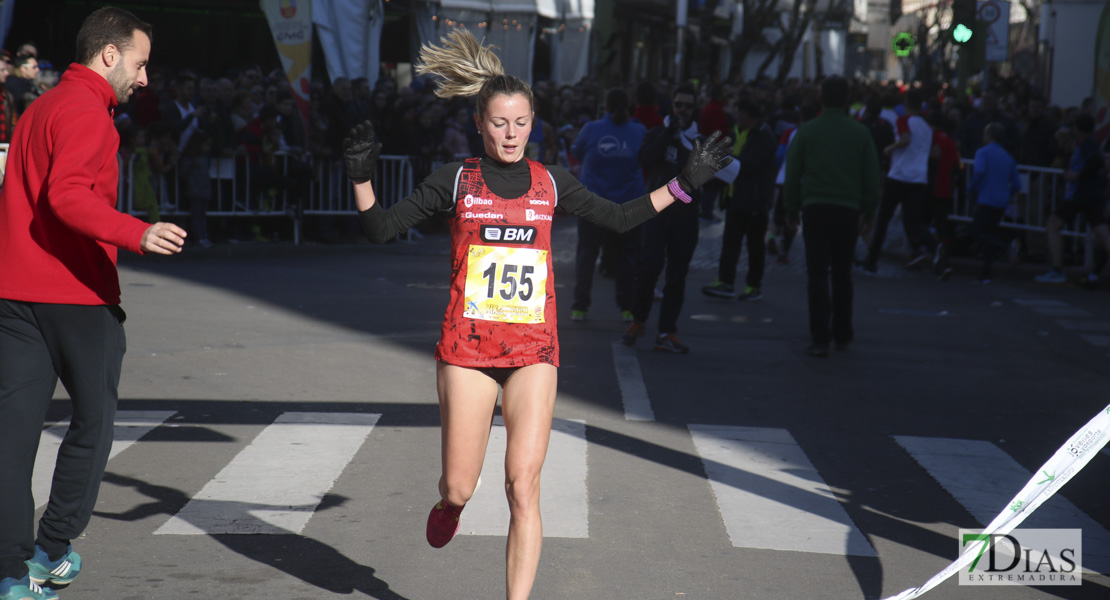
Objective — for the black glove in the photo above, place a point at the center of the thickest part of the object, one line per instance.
(360, 152)
(705, 160)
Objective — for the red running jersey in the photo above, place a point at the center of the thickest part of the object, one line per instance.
(502, 307)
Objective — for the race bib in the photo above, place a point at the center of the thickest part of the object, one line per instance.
(506, 284)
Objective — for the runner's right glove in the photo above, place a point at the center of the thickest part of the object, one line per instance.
(706, 159)
(360, 152)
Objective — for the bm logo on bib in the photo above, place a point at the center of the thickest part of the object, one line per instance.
(508, 234)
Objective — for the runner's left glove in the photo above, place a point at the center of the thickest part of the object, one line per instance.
(706, 159)
(360, 152)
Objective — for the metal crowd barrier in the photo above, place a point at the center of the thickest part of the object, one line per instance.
(236, 193)
(1041, 189)
(330, 193)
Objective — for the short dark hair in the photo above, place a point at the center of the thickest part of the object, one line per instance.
(935, 119)
(749, 108)
(182, 78)
(915, 97)
(1084, 123)
(996, 130)
(809, 111)
(646, 94)
(238, 97)
(874, 105)
(616, 102)
(108, 26)
(835, 92)
(685, 89)
(23, 59)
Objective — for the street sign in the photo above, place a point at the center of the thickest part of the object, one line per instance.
(995, 17)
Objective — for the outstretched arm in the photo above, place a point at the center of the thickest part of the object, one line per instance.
(360, 155)
(705, 160)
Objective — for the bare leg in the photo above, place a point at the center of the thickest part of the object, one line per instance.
(467, 398)
(527, 405)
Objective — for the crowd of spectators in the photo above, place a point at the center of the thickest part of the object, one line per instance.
(252, 115)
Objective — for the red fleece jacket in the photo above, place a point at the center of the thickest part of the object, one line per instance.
(59, 227)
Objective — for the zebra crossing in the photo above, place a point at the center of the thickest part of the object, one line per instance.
(276, 482)
(768, 493)
(130, 426)
(982, 478)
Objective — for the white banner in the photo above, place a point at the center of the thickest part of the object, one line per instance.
(1064, 464)
(291, 25)
(350, 33)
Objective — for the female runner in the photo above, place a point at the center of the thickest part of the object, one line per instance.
(499, 328)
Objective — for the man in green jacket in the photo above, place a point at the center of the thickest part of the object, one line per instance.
(832, 179)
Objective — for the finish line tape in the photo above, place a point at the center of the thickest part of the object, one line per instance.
(1068, 460)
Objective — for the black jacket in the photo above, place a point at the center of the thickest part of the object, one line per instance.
(754, 188)
(662, 155)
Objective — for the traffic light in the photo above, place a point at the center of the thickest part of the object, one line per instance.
(963, 21)
(961, 33)
(967, 33)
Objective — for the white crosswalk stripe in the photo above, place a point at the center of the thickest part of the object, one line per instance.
(1040, 303)
(634, 395)
(770, 495)
(983, 478)
(1085, 325)
(1094, 339)
(275, 484)
(563, 499)
(130, 426)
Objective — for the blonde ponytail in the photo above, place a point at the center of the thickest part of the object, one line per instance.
(462, 63)
(467, 68)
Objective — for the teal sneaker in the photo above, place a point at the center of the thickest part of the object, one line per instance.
(577, 315)
(1053, 276)
(24, 589)
(63, 571)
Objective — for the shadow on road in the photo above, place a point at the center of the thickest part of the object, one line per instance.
(307, 559)
(318, 290)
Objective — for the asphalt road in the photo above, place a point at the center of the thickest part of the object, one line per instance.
(227, 347)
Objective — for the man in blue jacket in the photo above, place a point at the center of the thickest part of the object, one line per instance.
(994, 184)
(607, 148)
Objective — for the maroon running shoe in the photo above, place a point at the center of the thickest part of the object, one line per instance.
(443, 523)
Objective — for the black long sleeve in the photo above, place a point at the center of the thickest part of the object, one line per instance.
(511, 180)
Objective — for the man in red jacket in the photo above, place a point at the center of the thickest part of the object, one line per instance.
(59, 296)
